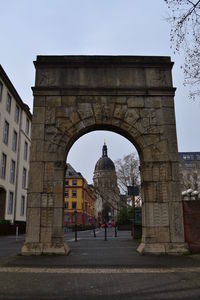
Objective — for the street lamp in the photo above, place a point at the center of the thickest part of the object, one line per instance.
(190, 194)
(195, 193)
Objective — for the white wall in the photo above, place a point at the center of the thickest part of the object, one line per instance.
(17, 156)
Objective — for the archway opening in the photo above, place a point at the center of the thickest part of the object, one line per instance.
(102, 171)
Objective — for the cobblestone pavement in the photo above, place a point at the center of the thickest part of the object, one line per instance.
(97, 269)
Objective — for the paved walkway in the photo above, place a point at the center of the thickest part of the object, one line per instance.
(97, 269)
(90, 252)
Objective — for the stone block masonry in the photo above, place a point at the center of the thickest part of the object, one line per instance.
(129, 95)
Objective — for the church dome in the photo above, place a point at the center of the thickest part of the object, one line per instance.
(104, 163)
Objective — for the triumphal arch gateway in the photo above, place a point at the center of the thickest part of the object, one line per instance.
(129, 95)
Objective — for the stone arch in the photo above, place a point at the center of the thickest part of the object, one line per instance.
(132, 96)
(94, 127)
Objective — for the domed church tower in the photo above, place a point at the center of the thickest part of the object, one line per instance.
(107, 193)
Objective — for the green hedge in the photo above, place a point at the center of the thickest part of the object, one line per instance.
(83, 227)
(5, 222)
(10, 229)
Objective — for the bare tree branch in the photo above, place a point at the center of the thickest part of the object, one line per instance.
(127, 170)
(185, 36)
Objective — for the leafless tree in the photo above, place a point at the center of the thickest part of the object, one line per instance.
(184, 17)
(128, 172)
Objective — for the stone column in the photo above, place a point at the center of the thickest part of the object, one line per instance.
(45, 232)
(162, 216)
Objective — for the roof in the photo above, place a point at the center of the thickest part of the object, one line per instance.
(99, 60)
(104, 163)
(71, 172)
(15, 94)
(192, 156)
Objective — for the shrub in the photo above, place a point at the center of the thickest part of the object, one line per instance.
(5, 222)
(125, 216)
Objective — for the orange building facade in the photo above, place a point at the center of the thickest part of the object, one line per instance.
(78, 199)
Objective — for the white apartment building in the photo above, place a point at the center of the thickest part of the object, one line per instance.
(15, 140)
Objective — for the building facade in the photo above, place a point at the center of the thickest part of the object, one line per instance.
(15, 139)
(79, 198)
(107, 194)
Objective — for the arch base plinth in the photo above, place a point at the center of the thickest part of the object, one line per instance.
(163, 248)
(45, 249)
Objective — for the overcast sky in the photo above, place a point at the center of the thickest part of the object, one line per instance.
(92, 27)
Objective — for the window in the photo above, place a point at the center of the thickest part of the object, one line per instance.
(3, 165)
(66, 205)
(73, 193)
(27, 126)
(66, 182)
(188, 157)
(66, 193)
(1, 90)
(8, 103)
(189, 165)
(6, 133)
(22, 210)
(24, 178)
(10, 203)
(12, 171)
(74, 182)
(17, 114)
(73, 205)
(14, 141)
(25, 150)
(198, 156)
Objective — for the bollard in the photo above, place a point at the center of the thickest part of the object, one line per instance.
(17, 233)
(75, 232)
(105, 239)
(94, 231)
(75, 224)
(115, 231)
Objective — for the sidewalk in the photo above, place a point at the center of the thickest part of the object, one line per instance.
(97, 270)
(90, 252)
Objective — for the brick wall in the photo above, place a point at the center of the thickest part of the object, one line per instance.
(191, 215)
